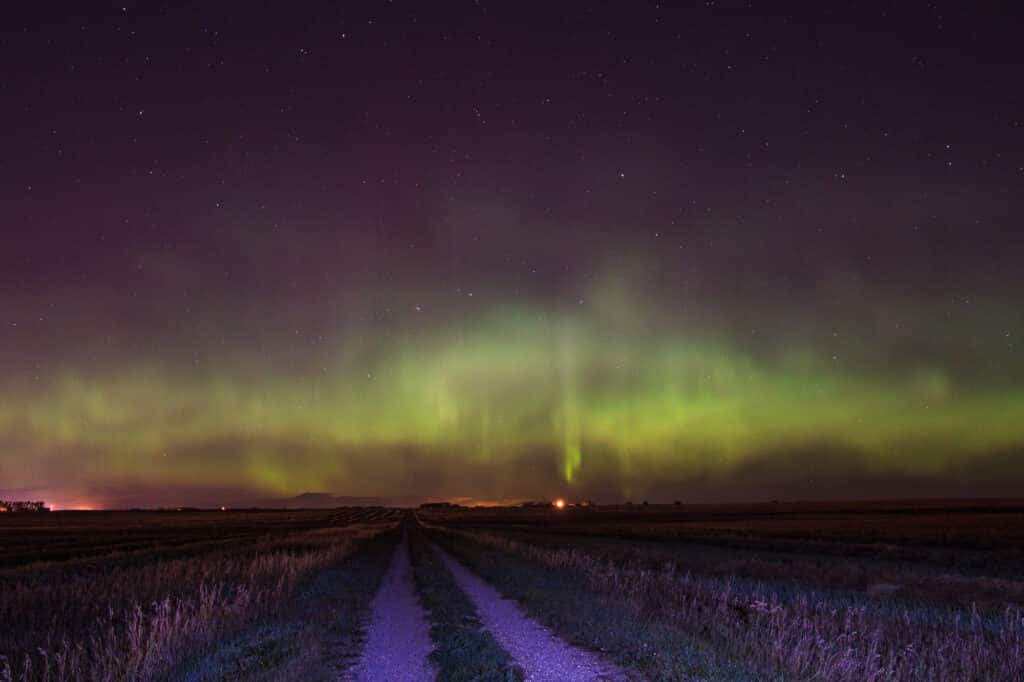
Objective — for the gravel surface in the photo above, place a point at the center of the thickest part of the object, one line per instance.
(398, 640)
(542, 655)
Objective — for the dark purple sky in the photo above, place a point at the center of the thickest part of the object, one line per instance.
(475, 249)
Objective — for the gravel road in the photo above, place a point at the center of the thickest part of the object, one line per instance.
(398, 639)
(542, 655)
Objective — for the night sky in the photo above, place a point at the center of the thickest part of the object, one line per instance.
(699, 251)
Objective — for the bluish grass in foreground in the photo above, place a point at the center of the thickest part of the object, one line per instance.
(637, 642)
(805, 634)
(464, 651)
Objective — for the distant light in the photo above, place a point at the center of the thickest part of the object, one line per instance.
(559, 503)
(223, 508)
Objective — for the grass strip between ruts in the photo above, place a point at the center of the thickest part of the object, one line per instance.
(464, 651)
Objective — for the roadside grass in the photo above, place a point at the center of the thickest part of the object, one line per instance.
(803, 632)
(464, 651)
(603, 623)
(107, 620)
(316, 637)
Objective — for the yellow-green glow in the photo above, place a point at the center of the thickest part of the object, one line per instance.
(519, 386)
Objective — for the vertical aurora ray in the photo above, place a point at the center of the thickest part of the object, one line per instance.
(572, 456)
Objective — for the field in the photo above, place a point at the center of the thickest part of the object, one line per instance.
(133, 595)
(859, 591)
(801, 591)
(968, 552)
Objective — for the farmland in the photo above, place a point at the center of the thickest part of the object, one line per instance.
(132, 595)
(795, 591)
(860, 591)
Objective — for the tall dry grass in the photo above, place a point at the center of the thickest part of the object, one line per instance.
(810, 634)
(157, 616)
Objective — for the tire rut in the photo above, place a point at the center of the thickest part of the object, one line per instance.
(543, 656)
(398, 639)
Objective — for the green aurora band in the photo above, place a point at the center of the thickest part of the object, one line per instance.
(522, 401)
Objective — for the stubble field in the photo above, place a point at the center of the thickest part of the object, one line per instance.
(806, 591)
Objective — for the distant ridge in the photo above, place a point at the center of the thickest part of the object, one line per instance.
(330, 500)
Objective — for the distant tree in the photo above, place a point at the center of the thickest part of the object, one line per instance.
(23, 506)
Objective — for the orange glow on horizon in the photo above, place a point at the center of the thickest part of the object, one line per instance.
(75, 505)
(559, 503)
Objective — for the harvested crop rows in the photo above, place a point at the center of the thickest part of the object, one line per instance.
(658, 593)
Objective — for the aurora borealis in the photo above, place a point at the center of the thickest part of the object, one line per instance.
(478, 251)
